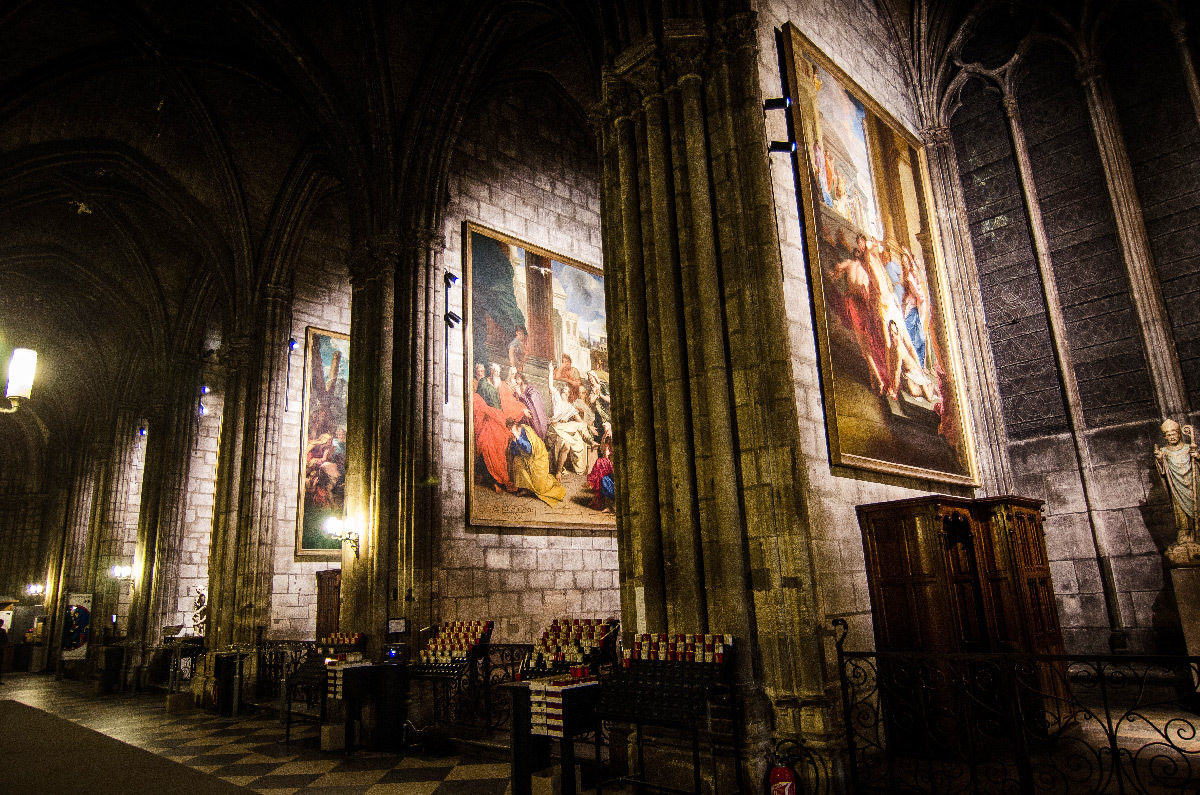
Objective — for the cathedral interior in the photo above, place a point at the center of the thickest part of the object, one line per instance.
(732, 269)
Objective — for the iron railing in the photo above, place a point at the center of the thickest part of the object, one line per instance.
(472, 699)
(1020, 723)
(278, 659)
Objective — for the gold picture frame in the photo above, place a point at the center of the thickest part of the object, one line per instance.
(322, 443)
(890, 373)
(559, 359)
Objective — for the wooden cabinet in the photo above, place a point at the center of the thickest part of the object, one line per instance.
(948, 574)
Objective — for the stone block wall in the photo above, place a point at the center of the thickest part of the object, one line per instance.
(321, 298)
(852, 34)
(526, 166)
(198, 511)
(1133, 517)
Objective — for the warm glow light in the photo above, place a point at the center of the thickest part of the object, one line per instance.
(333, 526)
(35, 589)
(20, 373)
(122, 572)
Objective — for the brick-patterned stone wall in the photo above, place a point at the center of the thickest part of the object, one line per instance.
(198, 510)
(852, 34)
(321, 298)
(20, 514)
(1093, 287)
(524, 165)
(122, 543)
(1142, 65)
(1008, 277)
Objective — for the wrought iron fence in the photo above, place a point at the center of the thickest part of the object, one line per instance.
(472, 699)
(277, 659)
(1021, 723)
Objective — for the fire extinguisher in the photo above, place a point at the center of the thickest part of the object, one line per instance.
(783, 778)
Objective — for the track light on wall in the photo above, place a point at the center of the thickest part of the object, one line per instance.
(452, 319)
(450, 279)
(21, 368)
(777, 103)
(782, 146)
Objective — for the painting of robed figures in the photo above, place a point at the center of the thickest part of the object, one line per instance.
(538, 403)
(323, 448)
(888, 369)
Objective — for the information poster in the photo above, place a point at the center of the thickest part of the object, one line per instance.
(77, 628)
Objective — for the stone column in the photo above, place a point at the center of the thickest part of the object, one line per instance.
(1179, 33)
(683, 567)
(241, 557)
(72, 552)
(1144, 289)
(979, 366)
(643, 597)
(407, 563)
(256, 516)
(1065, 365)
(170, 431)
(110, 511)
(371, 490)
(233, 369)
(716, 517)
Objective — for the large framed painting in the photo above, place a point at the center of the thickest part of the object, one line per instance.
(539, 429)
(323, 443)
(889, 371)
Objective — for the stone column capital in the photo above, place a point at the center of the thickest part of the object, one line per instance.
(375, 257)
(278, 293)
(1179, 29)
(687, 48)
(1089, 70)
(423, 239)
(737, 32)
(620, 100)
(234, 353)
(936, 135)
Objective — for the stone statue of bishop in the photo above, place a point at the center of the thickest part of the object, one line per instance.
(1179, 465)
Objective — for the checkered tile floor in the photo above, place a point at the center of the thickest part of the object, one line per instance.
(250, 751)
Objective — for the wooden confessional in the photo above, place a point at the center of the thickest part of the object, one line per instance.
(948, 574)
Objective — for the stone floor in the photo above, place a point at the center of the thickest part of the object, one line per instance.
(250, 752)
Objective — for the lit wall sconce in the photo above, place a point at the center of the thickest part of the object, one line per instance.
(20, 377)
(336, 528)
(122, 572)
(35, 589)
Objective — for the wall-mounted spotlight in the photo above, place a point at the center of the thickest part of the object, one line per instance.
(336, 528)
(777, 103)
(452, 319)
(21, 368)
(204, 390)
(35, 589)
(142, 431)
(292, 343)
(120, 572)
(782, 146)
(450, 279)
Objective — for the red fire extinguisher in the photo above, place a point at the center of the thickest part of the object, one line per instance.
(783, 778)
